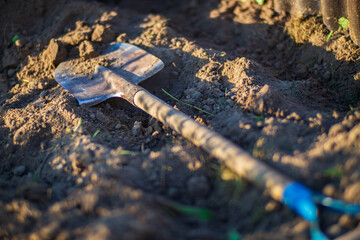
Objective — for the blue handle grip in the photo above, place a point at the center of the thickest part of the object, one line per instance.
(299, 198)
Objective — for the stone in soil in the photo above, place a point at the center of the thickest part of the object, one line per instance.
(198, 186)
(19, 170)
(86, 50)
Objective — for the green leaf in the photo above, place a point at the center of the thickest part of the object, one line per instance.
(260, 2)
(16, 37)
(343, 23)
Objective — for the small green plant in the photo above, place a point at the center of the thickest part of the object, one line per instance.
(16, 37)
(260, 2)
(197, 108)
(230, 183)
(258, 214)
(334, 172)
(34, 177)
(200, 213)
(334, 86)
(343, 24)
(74, 130)
(96, 133)
(259, 118)
(127, 152)
(233, 235)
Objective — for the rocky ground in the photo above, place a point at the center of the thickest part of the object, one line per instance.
(272, 84)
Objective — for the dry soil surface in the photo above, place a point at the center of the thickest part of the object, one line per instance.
(272, 84)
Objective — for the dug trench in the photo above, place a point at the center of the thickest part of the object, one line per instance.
(272, 84)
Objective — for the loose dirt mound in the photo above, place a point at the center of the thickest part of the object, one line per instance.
(272, 84)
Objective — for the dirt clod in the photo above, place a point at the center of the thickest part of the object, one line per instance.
(102, 34)
(352, 192)
(87, 50)
(19, 170)
(55, 52)
(10, 59)
(198, 186)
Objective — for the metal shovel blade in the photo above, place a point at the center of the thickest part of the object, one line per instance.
(128, 61)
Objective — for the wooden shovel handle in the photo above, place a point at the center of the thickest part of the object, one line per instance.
(224, 150)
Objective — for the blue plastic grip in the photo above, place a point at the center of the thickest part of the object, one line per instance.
(299, 198)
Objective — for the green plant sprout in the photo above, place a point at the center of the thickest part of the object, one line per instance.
(334, 86)
(96, 133)
(200, 213)
(333, 172)
(233, 235)
(343, 24)
(197, 108)
(127, 152)
(73, 131)
(259, 118)
(16, 37)
(260, 2)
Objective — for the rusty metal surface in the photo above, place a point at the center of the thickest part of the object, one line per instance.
(331, 11)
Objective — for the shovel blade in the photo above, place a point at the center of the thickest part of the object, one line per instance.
(128, 61)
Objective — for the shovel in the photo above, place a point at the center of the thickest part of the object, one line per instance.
(128, 65)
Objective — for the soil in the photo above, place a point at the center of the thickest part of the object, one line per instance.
(273, 85)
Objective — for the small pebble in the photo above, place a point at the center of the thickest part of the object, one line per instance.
(173, 192)
(107, 107)
(272, 206)
(329, 190)
(122, 38)
(301, 69)
(149, 131)
(355, 176)
(326, 75)
(136, 130)
(43, 94)
(11, 72)
(196, 95)
(19, 170)
(336, 129)
(101, 117)
(352, 192)
(198, 186)
(19, 43)
(210, 101)
(347, 123)
(174, 74)
(347, 221)
(334, 230)
(92, 116)
(280, 46)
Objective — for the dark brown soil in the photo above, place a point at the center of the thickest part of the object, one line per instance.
(272, 83)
